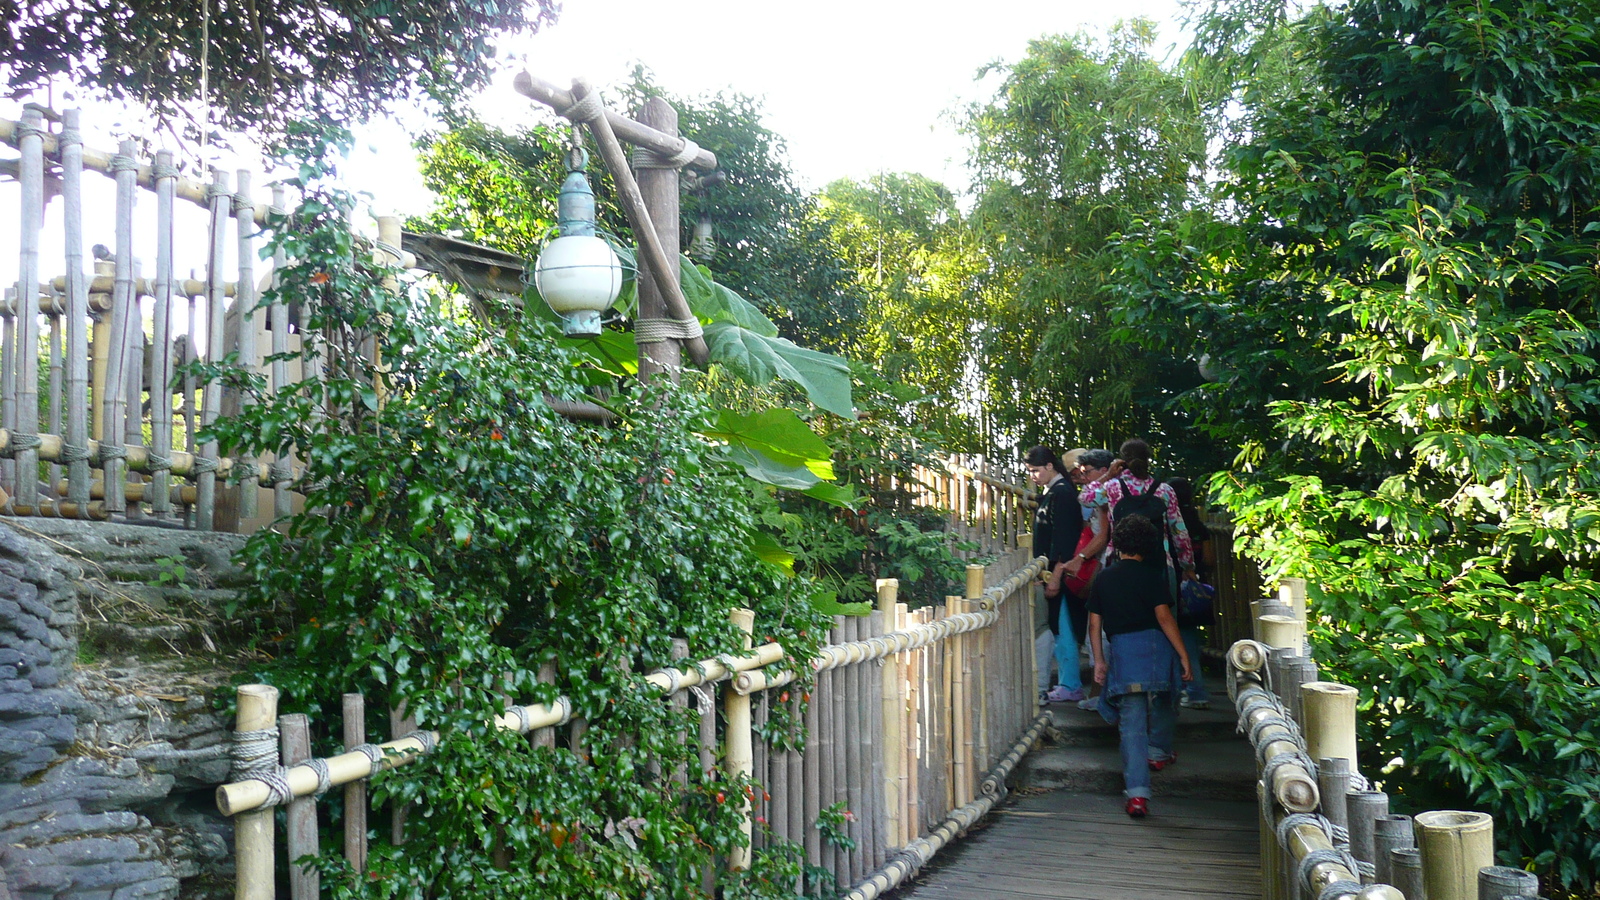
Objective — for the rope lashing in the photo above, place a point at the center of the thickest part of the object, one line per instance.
(521, 714)
(388, 248)
(372, 752)
(645, 158)
(112, 451)
(120, 163)
(201, 466)
(240, 204)
(586, 110)
(324, 775)
(282, 471)
(28, 128)
(68, 137)
(674, 680)
(255, 758)
(21, 443)
(160, 171)
(656, 331)
(427, 739)
(1297, 758)
(159, 463)
(702, 697)
(72, 453)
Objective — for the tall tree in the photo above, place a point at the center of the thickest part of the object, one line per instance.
(260, 64)
(917, 264)
(1080, 139)
(1398, 285)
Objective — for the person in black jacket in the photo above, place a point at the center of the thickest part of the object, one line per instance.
(1056, 526)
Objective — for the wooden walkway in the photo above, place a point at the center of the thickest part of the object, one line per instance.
(1072, 846)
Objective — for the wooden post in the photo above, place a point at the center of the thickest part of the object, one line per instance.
(252, 831)
(301, 813)
(736, 715)
(679, 702)
(1333, 787)
(355, 793)
(876, 826)
(658, 188)
(1329, 719)
(124, 314)
(650, 251)
(893, 711)
(813, 768)
(1405, 867)
(838, 740)
(1506, 883)
(400, 724)
(960, 740)
(133, 389)
(1292, 591)
(1455, 844)
(914, 736)
(979, 668)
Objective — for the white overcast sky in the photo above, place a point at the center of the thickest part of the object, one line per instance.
(853, 86)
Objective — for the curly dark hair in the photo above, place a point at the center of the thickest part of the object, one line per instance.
(1134, 534)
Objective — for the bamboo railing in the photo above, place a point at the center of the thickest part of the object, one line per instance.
(915, 720)
(87, 391)
(1325, 832)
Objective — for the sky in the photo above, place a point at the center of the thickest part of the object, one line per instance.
(854, 86)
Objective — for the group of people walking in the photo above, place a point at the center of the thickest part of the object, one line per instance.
(1122, 549)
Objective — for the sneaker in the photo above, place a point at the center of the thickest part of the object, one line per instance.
(1157, 765)
(1138, 807)
(1091, 704)
(1186, 703)
(1059, 694)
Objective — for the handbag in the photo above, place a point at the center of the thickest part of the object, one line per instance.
(1078, 585)
(1195, 606)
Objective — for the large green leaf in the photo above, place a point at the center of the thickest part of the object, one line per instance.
(778, 434)
(759, 359)
(613, 352)
(769, 551)
(827, 603)
(765, 469)
(841, 495)
(714, 302)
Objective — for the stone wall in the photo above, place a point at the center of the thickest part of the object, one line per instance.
(113, 655)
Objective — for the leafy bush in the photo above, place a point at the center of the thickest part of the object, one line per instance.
(459, 534)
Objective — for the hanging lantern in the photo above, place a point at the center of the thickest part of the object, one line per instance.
(578, 273)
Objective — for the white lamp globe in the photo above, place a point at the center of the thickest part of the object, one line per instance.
(580, 277)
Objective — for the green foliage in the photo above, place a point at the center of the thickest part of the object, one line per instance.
(918, 264)
(267, 63)
(1396, 289)
(1079, 140)
(459, 534)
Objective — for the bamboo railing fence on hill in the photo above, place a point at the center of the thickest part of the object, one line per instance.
(915, 720)
(87, 397)
(1326, 833)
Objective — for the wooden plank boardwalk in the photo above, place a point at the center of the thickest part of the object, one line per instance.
(1066, 845)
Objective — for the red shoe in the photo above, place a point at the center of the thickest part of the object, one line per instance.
(1138, 807)
(1157, 765)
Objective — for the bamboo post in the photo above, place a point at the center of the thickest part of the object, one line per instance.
(798, 787)
(53, 472)
(244, 302)
(25, 331)
(777, 783)
(279, 314)
(893, 712)
(8, 392)
(960, 739)
(301, 815)
(166, 176)
(1292, 592)
(252, 831)
(1506, 883)
(1333, 786)
(979, 669)
(133, 388)
(813, 768)
(1455, 844)
(912, 757)
(839, 740)
(1389, 833)
(77, 429)
(211, 398)
(736, 715)
(1365, 808)
(679, 702)
(1405, 867)
(124, 313)
(1271, 867)
(651, 253)
(877, 825)
(852, 734)
(1328, 718)
(355, 793)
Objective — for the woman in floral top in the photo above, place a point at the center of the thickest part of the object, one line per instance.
(1130, 475)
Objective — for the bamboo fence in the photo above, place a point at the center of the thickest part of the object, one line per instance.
(916, 719)
(1326, 833)
(87, 390)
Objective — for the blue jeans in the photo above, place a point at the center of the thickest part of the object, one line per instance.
(1196, 689)
(1146, 723)
(1067, 674)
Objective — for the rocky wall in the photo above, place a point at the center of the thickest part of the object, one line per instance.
(112, 656)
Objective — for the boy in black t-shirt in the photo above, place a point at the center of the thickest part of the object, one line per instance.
(1131, 604)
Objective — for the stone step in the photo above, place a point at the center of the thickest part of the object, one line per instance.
(1212, 770)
